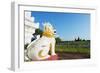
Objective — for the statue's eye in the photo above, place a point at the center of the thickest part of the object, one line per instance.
(54, 31)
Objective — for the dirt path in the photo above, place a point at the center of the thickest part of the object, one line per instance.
(63, 56)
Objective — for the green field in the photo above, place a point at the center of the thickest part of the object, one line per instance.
(74, 47)
(73, 50)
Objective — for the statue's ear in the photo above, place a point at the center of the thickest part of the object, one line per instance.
(46, 28)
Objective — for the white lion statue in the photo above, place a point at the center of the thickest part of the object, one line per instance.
(39, 50)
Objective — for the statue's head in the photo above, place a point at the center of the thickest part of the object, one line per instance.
(49, 31)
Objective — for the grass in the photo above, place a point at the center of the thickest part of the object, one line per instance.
(65, 48)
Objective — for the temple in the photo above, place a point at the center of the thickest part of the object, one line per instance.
(30, 26)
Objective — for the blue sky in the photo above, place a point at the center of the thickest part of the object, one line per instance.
(68, 25)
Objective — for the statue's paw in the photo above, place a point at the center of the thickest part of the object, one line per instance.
(53, 54)
(53, 57)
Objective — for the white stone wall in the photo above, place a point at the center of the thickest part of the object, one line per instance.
(30, 26)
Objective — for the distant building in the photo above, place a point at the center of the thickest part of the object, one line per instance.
(30, 26)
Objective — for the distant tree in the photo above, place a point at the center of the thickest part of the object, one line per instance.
(83, 40)
(58, 39)
(75, 39)
(78, 39)
(38, 32)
